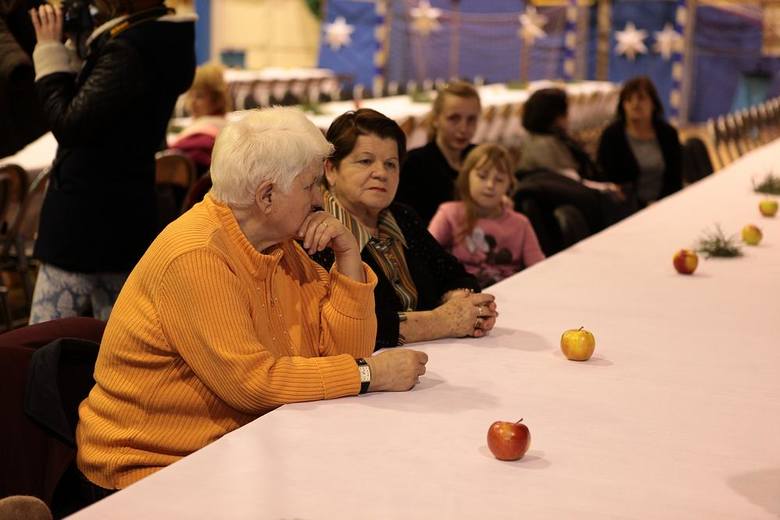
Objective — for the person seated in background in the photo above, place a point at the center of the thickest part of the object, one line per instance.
(550, 158)
(423, 292)
(492, 240)
(640, 151)
(226, 317)
(428, 174)
(208, 101)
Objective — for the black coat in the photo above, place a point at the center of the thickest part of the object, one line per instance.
(21, 117)
(427, 180)
(621, 167)
(99, 214)
(433, 270)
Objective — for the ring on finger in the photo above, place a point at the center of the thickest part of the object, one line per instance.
(478, 324)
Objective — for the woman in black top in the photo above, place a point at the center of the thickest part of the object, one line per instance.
(109, 117)
(423, 292)
(640, 151)
(428, 174)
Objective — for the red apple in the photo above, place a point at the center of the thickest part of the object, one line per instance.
(685, 261)
(751, 235)
(768, 207)
(508, 440)
(578, 344)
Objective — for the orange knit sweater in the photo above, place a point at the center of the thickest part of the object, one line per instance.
(208, 334)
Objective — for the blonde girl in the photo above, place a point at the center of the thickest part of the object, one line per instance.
(492, 240)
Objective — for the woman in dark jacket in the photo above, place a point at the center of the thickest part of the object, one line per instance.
(423, 292)
(109, 118)
(428, 174)
(640, 151)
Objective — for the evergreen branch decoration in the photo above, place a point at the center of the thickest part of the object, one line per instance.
(770, 185)
(717, 244)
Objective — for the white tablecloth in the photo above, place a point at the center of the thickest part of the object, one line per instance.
(676, 416)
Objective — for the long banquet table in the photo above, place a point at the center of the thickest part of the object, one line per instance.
(676, 416)
(40, 153)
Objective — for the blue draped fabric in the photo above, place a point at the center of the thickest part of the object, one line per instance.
(651, 17)
(728, 52)
(357, 58)
(728, 66)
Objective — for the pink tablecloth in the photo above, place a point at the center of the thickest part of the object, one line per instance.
(676, 416)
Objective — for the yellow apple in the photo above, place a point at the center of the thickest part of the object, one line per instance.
(751, 235)
(768, 207)
(578, 344)
(685, 261)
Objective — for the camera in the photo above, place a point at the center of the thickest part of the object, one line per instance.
(76, 17)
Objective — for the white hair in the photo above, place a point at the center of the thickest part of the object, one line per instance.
(274, 144)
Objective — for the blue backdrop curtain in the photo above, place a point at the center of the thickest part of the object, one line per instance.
(357, 58)
(729, 68)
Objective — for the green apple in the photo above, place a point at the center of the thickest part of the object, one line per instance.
(768, 207)
(751, 235)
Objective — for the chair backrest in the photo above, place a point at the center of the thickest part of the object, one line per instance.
(175, 174)
(13, 187)
(572, 224)
(174, 168)
(198, 190)
(696, 162)
(24, 228)
(35, 460)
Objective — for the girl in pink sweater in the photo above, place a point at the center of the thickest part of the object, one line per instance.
(490, 239)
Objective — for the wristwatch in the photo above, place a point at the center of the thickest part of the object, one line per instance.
(365, 375)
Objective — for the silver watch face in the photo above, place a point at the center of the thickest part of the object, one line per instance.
(365, 373)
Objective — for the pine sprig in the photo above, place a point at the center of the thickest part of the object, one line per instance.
(420, 96)
(770, 185)
(717, 244)
(312, 107)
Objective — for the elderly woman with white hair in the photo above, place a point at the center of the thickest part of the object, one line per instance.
(226, 317)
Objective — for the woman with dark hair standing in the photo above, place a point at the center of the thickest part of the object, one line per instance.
(423, 292)
(429, 172)
(109, 116)
(640, 151)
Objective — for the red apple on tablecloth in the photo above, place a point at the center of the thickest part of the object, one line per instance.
(577, 344)
(751, 235)
(508, 440)
(685, 261)
(768, 207)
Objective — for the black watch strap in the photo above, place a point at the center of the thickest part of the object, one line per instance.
(365, 375)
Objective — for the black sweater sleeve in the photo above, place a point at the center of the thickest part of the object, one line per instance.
(433, 270)
(79, 114)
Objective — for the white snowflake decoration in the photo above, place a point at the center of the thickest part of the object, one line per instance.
(631, 41)
(425, 18)
(338, 33)
(532, 25)
(667, 42)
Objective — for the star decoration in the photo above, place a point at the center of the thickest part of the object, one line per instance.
(425, 18)
(532, 25)
(631, 41)
(338, 33)
(668, 41)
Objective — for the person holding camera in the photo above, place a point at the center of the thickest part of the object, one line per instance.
(109, 115)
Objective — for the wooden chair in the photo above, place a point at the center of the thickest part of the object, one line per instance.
(14, 256)
(407, 124)
(484, 123)
(720, 137)
(495, 130)
(197, 191)
(13, 181)
(175, 173)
